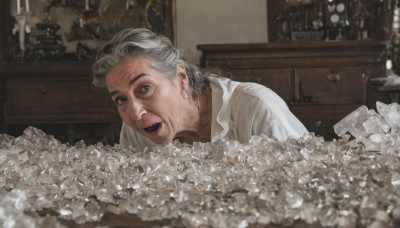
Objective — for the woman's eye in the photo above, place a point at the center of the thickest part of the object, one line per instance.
(145, 88)
(119, 101)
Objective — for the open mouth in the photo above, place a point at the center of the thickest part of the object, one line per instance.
(153, 127)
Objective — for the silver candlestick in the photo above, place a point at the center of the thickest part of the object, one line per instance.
(20, 26)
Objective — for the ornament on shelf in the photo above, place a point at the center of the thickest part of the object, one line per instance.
(22, 27)
(49, 47)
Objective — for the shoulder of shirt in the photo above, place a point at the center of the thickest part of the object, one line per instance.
(257, 91)
(253, 90)
(249, 88)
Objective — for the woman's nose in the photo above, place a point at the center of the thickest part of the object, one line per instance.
(136, 110)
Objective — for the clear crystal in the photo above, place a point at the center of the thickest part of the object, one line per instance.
(391, 113)
(340, 183)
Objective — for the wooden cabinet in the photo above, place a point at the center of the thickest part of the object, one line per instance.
(59, 98)
(332, 84)
(320, 81)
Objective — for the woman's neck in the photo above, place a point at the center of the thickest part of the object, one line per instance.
(201, 128)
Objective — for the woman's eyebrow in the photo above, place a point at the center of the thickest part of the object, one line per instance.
(134, 79)
(130, 82)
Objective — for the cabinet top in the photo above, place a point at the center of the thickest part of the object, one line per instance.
(306, 53)
(329, 52)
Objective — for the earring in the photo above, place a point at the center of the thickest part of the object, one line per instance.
(185, 95)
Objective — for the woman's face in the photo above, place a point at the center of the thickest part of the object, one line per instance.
(147, 100)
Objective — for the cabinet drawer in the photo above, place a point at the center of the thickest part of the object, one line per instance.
(279, 80)
(320, 118)
(332, 85)
(55, 96)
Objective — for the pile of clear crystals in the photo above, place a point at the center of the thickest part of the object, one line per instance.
(353, 181)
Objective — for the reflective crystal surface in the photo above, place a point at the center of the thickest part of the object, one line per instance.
(341, 183)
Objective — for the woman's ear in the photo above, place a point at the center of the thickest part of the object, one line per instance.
(183, 78)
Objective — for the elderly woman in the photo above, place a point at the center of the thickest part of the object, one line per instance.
(162, 97)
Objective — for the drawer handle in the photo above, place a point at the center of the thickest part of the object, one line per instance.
(334, 77)
(318, 123)
(42, 90)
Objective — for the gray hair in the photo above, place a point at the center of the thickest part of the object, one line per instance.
(163, 55)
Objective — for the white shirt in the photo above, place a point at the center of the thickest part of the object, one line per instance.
(239, 111)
